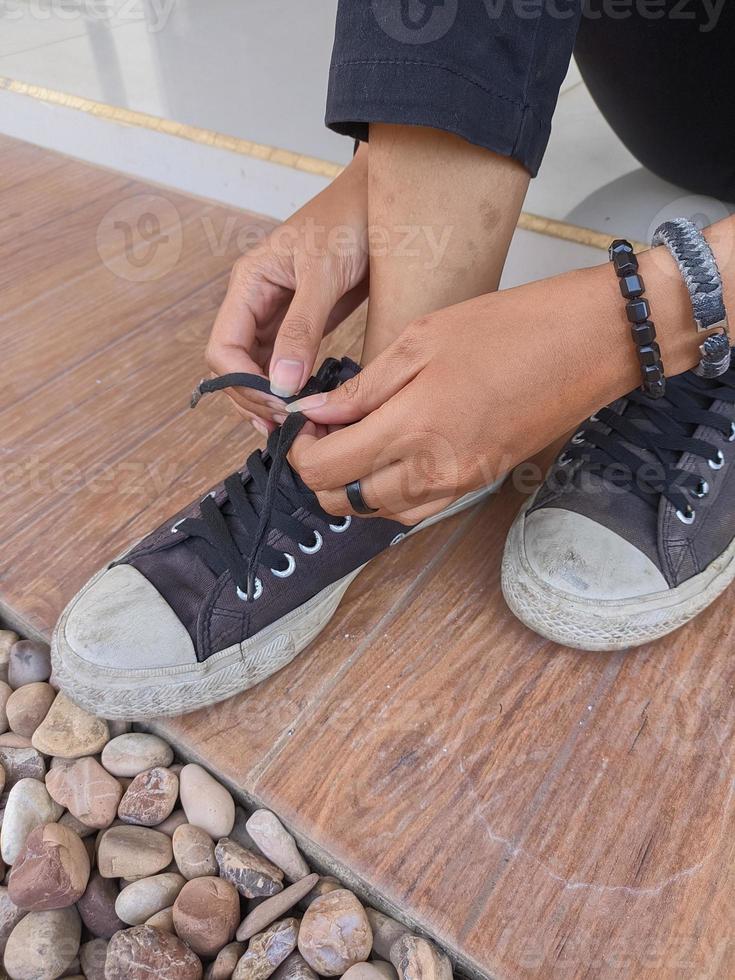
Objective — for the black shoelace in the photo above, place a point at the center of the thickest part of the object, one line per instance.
(663, 429)
(233, 532)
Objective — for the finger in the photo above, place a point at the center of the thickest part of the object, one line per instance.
(297, 342)
(380, 381)
(401, 488)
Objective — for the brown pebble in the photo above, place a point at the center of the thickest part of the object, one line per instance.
(133, 852)
(136, 752)
(28, 706)
(386, 932)
(7, 640)
(30, 661)
(163, 920)
(97, 907)
(5, 693)
(335, 933)
(295, 967)
(267, 951)
(206, 802)
(43, 945)
(20, 763)
(144, 953)
(194, 852)
(80, 829)
(325, 885)
(10, 916)
(92, 957)
(375, 970)
(150, 798)
(170, 824)
(277, 844)
(138, 901)
(51, 871)
(224, 965)
(206, 915)
(69, 731)
(87, 790)
(418, 959)
(253, 876)
(273, 908)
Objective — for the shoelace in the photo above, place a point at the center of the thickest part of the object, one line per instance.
(233, 533)
(663, 429)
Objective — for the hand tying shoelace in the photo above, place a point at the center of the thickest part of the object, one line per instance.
(233, 532)
(663, 430)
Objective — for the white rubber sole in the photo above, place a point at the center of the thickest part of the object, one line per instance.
(135, 695)
(593, 624)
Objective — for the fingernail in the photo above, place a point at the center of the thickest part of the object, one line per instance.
(286, 377)
(306, 404)
(279, 418)
(259, 427)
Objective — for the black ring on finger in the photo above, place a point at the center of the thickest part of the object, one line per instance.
(356, 499)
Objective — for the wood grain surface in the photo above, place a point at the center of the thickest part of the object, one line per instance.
(541, 812)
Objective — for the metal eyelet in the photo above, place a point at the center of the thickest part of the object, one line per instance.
(687, 518)
(716, 464)
(311, 549)
(593, 418)
(702, 490)
(397, 539)
(731, 437)
(256, 595)
(175, 527)
(578, 438)
(339, 528)
(564, 459)
(288, 570)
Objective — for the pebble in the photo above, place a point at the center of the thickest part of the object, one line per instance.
(5, 693)
(335, 933)
(170, 824)
(150, 798)
(10, 916)
(7, 640)
(92, 956)
(267, 951)
(206, 915)
(418, 959)
(277, 844)
(80, 829)
(253, 876)
(43, 945)
(97, 907)
(146, 953)
(163, 920)
(29, 806)
(240, 833)
(135, 752)
(87, 790)
(28, 706)
(69, 731)
(21, 762)
(386, 932)
(374, 970)
(323, 887)
(133, 852)
(295, 967)
(30, 661)
(138, 901)
(224, 965)
(273, 908)
(51, 870)
(194, 852)
(206, 802)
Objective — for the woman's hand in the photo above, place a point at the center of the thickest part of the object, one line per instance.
(287, 293)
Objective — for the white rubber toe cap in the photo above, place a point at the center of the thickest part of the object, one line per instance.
(122, 622)
(580, 557)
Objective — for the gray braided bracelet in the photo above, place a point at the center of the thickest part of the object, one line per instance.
(702, 277)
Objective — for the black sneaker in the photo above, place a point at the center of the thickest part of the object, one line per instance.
(226, 593)
(633, 533)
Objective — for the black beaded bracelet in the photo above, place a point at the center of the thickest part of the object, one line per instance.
(638, 310)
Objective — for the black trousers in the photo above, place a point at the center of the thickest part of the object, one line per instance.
(661, 71)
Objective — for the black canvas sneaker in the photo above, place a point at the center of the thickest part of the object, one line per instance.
(225, 593)
(633, 533)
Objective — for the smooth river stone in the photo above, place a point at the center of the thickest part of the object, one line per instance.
(28, 706)
(138, 901)
(172, 823)
(277, 844)
(7, 640)
(43, 945)
(51, 871)
(97, 907)
(87, 790)
(253, 876)
(10, 916)
(29, 806)
(135, 752)
(224, 965)
(267, 951)
(69, 731)
(146, 953)
(335, 933)
(21, 763)
(206, 802)
(206, 915)
(5, 693)
(418, 959)
(294, 967)
(325, 885)
(194, 852)
(80, 829)
(92, 957)
(163, 920)
(386, 932)
(30, 662)
(150, 798)
(371, 971)
(273, 908)
(133, 852)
